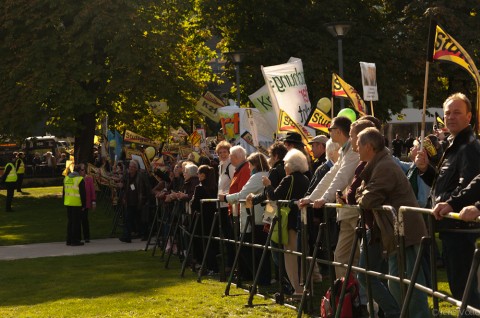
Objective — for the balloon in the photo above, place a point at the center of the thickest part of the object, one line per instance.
(150, 152)
(324, 104)
(349, 113)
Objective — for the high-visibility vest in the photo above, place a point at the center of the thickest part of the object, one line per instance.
(72, 191)
(21, 167)
(12, 175)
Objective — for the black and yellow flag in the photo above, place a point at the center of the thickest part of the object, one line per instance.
(286, 123)
(443, 47)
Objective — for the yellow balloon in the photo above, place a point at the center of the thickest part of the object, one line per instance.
(324, 104)
(150, 152)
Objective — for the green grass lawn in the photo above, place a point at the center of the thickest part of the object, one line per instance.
(112, 285)
(40, 217)
(129, 284)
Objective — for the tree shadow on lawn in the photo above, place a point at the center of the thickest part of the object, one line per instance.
(50, 279)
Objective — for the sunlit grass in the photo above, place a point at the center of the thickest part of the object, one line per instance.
(40, 216)
(131, 284)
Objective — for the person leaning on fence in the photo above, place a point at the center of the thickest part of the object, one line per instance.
(292, 187)
(75, 199)
(315, 216)
(226, 171)
(258, 166)
(238, 159)
(338, 178)
(458, 167)
(9, 177)
(206, 189)
(384, 183)
(276, 152)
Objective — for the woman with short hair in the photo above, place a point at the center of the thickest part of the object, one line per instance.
(292, 187)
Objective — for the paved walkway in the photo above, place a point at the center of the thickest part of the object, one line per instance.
(61, 249)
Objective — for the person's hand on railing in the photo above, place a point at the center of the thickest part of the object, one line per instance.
(469, 213)
(249, 201)
(318, 204)
(340, 199)
(221, 197)
(441, 209)
(303, 202)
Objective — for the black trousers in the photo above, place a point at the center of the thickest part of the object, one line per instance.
(19, 182)
(10, 190)
(85, 225)
(74, 216)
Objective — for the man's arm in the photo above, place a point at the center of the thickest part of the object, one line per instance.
(344, 176)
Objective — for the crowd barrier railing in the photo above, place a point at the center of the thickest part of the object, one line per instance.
(406, 285)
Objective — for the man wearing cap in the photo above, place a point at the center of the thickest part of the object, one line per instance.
(318, 148)
(20, 166)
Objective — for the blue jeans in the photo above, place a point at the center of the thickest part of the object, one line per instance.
(418, 302)
(380, 292)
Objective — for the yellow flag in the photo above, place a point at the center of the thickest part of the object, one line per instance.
(445, 48)
(319, 121)
(286, 123)
(353, 95)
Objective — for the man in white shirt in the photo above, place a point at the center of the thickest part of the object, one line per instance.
(338, 178)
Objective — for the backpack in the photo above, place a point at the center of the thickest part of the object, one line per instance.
(351, 301)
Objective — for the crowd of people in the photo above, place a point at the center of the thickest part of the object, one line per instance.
(355, 160)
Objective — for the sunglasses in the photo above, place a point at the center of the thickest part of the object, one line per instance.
(332, 128)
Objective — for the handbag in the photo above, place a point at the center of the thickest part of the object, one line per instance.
(284, 211)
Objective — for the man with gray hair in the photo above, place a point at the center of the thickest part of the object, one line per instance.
(384, 183)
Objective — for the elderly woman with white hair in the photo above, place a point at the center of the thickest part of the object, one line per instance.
(292, 187)
(258, 165)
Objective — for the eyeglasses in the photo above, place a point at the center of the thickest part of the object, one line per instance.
(332, 128)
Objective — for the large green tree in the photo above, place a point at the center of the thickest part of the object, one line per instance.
(73, 62)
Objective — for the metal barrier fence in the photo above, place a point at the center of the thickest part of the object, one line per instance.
(171, 225)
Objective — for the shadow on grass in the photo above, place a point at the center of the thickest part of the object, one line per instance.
(42, 280)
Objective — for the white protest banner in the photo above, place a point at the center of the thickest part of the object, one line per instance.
(369, 81)
(261, 100)
(288, 90)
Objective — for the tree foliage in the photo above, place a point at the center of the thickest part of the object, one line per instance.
(392, 34)
(73, 62)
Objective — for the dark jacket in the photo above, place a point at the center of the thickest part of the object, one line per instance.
(300, 186)
(320, 172)
(275, 175)
(459, 165)
(385, 183)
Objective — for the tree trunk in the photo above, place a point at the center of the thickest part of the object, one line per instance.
(84, 138)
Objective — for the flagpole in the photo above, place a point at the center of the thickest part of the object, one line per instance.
(371, 108)
(425, 90)
(331, 109)
(430, 43)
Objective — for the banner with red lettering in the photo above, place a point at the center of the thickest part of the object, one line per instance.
(288, 90)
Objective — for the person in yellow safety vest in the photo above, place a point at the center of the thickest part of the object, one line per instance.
(20, 166)
(9, 177)
(74, 198)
